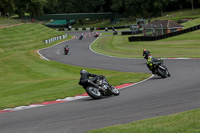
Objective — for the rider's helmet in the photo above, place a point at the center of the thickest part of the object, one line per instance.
(144, 50)
(149, 57)
(83, 71)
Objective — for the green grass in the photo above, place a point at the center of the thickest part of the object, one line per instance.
(185, 13)
(25, 78)
(191, 23)
(6, 21)
(186, 122)
(186, 45)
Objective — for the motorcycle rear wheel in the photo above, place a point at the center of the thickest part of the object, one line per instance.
(93, 92)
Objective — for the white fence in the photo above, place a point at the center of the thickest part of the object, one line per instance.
(55, 38)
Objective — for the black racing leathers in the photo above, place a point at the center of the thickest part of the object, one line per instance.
(85, 77)
(146, 54)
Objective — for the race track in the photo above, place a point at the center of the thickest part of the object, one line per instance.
(154, 97)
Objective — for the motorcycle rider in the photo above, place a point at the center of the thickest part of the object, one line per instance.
(146, 53)
(66, 48)
(81, 37)
(85, 80)
(150, 62)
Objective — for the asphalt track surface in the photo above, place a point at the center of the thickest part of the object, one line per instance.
(152, 98)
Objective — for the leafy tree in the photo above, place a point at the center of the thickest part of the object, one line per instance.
(96, 6)
(51, 7)
(139, 8)
(118, 6)
(35, 7)
(107, 5)
(21, 7)
(160, 4)
(7, 6)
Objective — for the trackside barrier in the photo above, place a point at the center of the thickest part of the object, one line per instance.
(55, 38)
(153, 38)
(131, 32)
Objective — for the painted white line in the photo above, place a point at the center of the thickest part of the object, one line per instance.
(41, 56)
(132, 58)
(26, 107)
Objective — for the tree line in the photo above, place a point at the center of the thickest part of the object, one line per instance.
(136, 8)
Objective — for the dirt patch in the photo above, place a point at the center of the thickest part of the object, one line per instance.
(11, 25)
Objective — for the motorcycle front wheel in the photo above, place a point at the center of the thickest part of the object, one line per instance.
(93, 92)
(161, 73)
(115, 91)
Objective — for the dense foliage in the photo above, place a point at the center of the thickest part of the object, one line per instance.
(135, 8)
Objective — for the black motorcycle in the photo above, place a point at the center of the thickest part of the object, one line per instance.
(160, 69)
(96, 35)
(81, 37)
(115, 32)
(102, 88)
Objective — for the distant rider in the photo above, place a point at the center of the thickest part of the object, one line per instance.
(66, 48)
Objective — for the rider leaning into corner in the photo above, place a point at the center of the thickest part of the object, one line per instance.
(85, 79)
(150, 62)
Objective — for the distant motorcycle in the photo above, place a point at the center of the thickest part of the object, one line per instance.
(96, 35)
(115, 32)
(160, 69)
(66, 49)
(81, 37)
(103, 89)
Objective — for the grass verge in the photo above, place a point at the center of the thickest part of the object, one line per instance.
(186, 122)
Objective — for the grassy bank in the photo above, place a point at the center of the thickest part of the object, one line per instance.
(179, 15)
(186, 45)
(25, 78)
(186, 122)
(6, 21)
